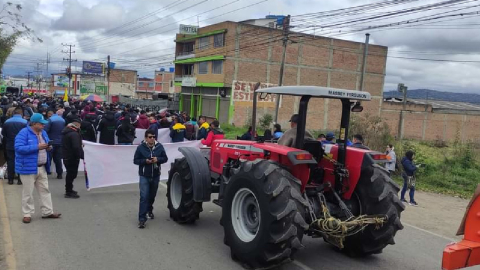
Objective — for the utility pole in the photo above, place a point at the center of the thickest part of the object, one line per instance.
(69, 70)
(28, 78)
(38, 70)
(108, 78)
(364, 66)
(46, 73)
(286, 27)
(403, 89)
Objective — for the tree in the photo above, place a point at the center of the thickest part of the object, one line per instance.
(12, 29)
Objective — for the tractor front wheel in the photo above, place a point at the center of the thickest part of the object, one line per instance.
(183, 209)
(263, 214)
(377, 195)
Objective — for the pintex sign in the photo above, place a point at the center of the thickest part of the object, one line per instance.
(243, 91)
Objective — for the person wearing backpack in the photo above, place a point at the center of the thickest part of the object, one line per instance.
(126, 132)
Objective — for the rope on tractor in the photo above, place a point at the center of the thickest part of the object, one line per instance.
(339, 230)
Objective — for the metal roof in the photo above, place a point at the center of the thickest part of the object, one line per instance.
(317, 91)
(439, 104)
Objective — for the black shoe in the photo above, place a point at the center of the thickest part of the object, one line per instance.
(141, 224)
(71, 195)
(19, 182)
(74, 192)
(10, 182)
(150, 215)
(59, 176)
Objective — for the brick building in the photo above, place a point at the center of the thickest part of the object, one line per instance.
(164, 82)
(433, 120)
(145, 88)
(123, 82)
(215, 68)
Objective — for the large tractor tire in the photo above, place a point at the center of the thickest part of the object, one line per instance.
(182, 207)
(263, 214)
(377, 194)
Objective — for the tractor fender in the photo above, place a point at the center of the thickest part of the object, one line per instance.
(202, 184)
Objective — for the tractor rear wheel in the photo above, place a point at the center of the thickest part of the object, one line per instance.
(183, 209)
(378, 195)
(263, 214)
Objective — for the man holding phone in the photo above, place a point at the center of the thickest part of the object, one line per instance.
(149, 155)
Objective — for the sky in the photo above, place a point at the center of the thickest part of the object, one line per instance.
(441, 53)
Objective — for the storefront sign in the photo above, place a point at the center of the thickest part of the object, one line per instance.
(92, 87)
(243, 91)
(188, 29)
(93, 67)
(189, 81)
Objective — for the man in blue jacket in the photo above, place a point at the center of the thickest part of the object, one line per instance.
(149, 156)
(409, 169)
(32, 162)
(54, 129)
(10, 129)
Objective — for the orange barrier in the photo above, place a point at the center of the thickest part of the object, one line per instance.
(466, 253)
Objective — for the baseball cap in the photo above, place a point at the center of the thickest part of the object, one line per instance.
(294, 118)
(38, 118)
(330, 135)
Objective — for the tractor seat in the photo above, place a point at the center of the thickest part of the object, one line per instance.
(314, 148)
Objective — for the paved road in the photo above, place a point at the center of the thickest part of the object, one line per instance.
(98, 231)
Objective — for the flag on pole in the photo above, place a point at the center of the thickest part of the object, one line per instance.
(65, 97)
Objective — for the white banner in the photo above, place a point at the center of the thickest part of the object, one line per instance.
(163, 136)
(112, 165)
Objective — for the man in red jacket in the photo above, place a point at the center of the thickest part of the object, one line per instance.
(143, 122)
(215, 133)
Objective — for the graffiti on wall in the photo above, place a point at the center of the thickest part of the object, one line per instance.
(243, 91)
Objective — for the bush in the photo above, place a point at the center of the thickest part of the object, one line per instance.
(265, 121)
(375, 132)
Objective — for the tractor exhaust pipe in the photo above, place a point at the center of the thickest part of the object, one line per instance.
(254, 111)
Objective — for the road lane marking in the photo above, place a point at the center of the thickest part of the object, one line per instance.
(429, 232)
(7, 234)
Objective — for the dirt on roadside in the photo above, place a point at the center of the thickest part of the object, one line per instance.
(437, 213)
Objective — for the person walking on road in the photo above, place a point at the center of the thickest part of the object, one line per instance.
(408, 175)
(10, 129)
(390, 165)
(149, 155)
(126, 132)
(54, 129)
(72, 151)
(33, 163)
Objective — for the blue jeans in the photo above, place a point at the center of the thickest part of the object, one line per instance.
(148, 192)
(405, 187)
(124, 143)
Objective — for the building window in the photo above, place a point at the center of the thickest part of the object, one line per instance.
(203, 68)
(217, 67)
(203, 43)
(140, 84)
(151, 84)
(188, 47)
(218, 40)
(187, 70)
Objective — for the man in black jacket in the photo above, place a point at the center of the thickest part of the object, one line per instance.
(72, 152)
(107, 128)
(149, 156)
(10, 129)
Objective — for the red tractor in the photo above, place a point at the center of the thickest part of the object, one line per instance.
(272, 195)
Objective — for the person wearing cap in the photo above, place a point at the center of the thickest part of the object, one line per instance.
(329, 138)
(72, 152)
(32, 162)
(290, 136)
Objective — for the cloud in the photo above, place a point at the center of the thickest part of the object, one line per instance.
(79, 18)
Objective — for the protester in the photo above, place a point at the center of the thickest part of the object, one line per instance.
(358, 142)
(54, 129)
(10, 129)
(68, 109)
(73, 114)
(72, 151)
(11, 110)
(267, 135)
(321, 137)
(28, 108)
(33, 164)
(107, 128)
(154, 125)
(143, 122)
(177, 131)
(149, 156)
(203, 128)
(125, 132)
(408, 175)
(329, 138)
(87, 130)
(215, 133)
(392, 159)
(290, 136)
(277, 133)
(247, 136)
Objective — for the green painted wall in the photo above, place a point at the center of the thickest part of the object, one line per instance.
(191, 38)
(200, 59)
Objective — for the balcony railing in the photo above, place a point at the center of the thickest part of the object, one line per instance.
(179, 78)
(185, 55)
